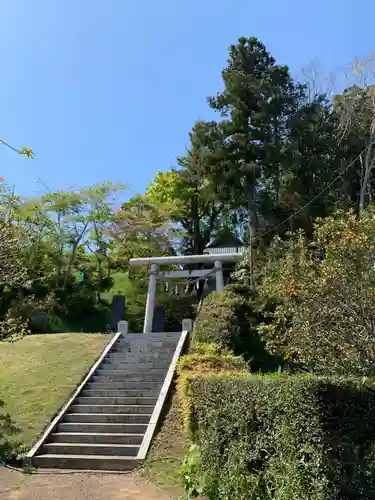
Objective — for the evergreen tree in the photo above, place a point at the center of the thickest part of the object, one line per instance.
(258, 98)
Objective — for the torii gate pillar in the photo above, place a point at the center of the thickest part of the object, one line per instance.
(219, 276)
(151, 299)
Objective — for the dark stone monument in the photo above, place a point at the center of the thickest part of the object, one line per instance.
(118, 311)
(227, 276)
(158, 323)
(209, 286)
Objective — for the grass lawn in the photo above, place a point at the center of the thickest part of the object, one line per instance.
(167, 452)
(40, 372)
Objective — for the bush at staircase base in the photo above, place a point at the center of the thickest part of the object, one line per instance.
(284, 437)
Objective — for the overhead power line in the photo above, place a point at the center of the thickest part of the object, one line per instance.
(262, 235)
(319, 194)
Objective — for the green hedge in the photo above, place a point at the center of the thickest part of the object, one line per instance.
(230, 318)
(207, 359)
(284, 437)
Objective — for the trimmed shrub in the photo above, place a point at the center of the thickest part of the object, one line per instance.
(176, 309)
(210, 363)
(208, 359)
(223, 316)
(230, 319)
(210, 348)
(283, 437)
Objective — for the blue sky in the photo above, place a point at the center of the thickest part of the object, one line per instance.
(110, 89)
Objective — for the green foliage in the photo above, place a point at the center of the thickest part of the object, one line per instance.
(230, 319)
(207, 359)
(13, 276)
(45, 244)
(176, 309)
(141, 229)
(208, 362)
(219, 318)
(324, 295)
(193, 485)
(355, 112)
(8, 446)
(283, 437)
(188, 196)
(210, 348)
(256, 104)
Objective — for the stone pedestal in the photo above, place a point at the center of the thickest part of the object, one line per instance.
(187, 325)
(122, 326)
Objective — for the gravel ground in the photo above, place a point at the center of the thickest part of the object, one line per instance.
(17, 486)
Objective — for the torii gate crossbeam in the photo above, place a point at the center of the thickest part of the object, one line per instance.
(153, 262)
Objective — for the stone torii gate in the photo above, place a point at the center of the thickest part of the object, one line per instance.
(217, 269)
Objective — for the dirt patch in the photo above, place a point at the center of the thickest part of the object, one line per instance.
(17, 486)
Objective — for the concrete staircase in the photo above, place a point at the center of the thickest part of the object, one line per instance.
(106, 424)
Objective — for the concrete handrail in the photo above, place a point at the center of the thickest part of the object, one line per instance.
(187, 324)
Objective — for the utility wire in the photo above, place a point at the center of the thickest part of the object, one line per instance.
(262, 235)
(319, 194)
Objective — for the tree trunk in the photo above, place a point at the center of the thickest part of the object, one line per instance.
(73, 255)
(366, 165)
(70, 265)
(252, 223)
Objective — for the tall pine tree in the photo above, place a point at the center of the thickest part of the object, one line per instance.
(258, 98)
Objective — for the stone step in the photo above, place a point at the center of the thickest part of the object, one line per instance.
(141, 358)
(138, 353)
(122, 393)
(85, 462)
(112, 409)
(101, 428)
(117, 400)
(154, 335)
(149, 339)
(94, 437)
(124, 385)
(102, 378)
(151, 346)
(147, 342)
(141, 352)
(107, 370)
(124, 370)
(133, 361)
(90, 449)
(134, 366)
(97, 418)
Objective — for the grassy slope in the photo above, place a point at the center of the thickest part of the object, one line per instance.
(39, 373)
